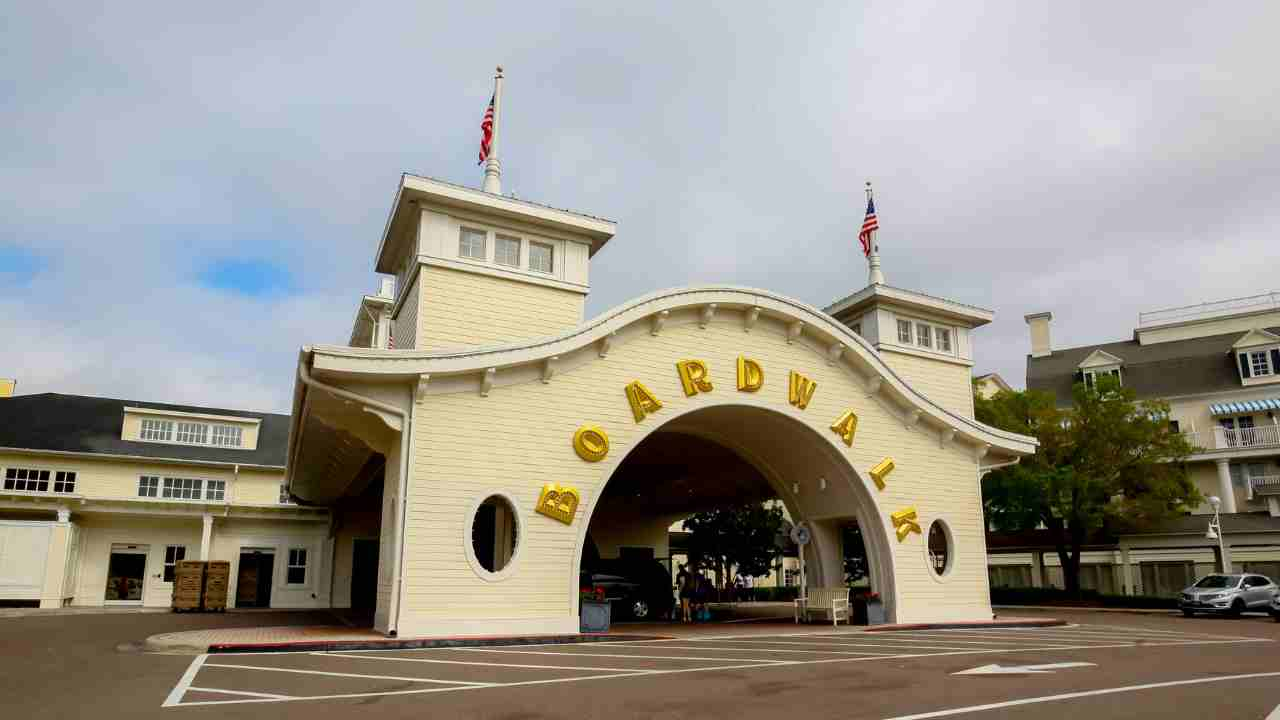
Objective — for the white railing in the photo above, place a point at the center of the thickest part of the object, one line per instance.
(1209, 309)
(1222, 438)
(1264, 485)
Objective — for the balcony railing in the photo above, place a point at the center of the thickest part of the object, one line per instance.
(1220, 308)
(1261, 436)
(1264, 485)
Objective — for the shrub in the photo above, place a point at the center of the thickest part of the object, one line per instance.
(1089, 598)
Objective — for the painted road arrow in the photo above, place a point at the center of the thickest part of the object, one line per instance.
(1022, 669)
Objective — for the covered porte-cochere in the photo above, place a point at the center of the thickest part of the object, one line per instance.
(479, 471)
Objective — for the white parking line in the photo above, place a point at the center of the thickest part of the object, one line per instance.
(299, 671)
(175, 695)
(1073, 695)
(919, 641)
(991, 636)
(184, 684)
(482, 664)
(616, 655)
(237, 692)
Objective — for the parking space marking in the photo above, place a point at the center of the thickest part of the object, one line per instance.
(338, 674)
(482, 664)
(713, 649)
(924, 641)
(1081, 694)
(789, 650)
(237, 692)
(616, 655)
(175, 695)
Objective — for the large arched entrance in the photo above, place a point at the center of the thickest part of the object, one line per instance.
(734, 453)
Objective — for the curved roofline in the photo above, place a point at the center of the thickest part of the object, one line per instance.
(410, 363)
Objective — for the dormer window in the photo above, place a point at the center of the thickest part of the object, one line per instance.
(1259, 364)
(1098, 365)
(1091, 376)
(1258, 357)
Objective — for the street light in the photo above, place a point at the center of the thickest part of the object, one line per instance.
(1215, 533)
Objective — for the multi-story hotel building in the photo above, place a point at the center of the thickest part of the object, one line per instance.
(100, 498)
(1218, 367)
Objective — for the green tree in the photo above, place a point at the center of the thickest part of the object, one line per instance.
(736, 540)
(1109, 461)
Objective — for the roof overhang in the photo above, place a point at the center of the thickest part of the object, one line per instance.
(472, 368)
(362, 328)
(416, 192)
(967, 315)
(1099, 358)
(1255, 338)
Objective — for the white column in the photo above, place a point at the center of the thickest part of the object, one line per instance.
(206, 536)
(64, 515)
(1225, 491)
(1037, 569)
(1126, 567)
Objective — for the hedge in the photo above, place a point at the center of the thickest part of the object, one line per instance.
(1086, 598)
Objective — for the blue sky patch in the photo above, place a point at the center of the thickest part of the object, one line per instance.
(18, 264)
(254, 278)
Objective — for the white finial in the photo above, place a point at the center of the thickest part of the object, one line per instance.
(874, 275)
(492, 167)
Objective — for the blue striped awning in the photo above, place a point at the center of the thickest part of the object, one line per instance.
(1244, 406)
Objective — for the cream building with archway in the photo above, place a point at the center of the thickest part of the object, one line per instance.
(505, 436)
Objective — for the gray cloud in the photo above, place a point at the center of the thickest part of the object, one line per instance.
(1094, 161)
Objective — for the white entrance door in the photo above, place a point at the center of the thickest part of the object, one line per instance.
(126, 574)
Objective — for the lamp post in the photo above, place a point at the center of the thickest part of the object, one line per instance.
(1215, 533)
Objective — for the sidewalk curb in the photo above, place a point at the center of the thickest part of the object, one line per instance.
(1013, 623)
(155, 645)
(1064, 608)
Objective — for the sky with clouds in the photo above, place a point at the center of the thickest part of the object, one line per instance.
(189, 193)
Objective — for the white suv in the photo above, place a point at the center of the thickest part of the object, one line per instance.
(1230, 594)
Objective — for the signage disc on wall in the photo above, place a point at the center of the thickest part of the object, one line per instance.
(800, 534)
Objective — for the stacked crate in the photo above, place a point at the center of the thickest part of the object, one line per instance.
(216, 579)
(188, 585)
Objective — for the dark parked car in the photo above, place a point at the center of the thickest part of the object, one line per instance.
(635, 591)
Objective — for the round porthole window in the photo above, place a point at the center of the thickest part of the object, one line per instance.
(495, 534)
(940, 556)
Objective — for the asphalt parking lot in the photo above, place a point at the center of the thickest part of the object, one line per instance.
(1106, 665)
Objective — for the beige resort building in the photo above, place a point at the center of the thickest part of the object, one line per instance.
(100, 498)
(504, 438)
(1218, 366)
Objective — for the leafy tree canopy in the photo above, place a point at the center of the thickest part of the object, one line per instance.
(738, 540)
(1109, 461)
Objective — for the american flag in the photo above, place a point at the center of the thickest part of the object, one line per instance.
(869, 225)
(486, 126)
(391, 339)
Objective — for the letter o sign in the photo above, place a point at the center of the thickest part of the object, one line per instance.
(591, 443)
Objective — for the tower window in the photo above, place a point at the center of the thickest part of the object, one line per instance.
(541, 257)
(507, 251)
(471, 243)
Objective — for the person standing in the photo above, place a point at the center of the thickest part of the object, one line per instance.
(685, 588)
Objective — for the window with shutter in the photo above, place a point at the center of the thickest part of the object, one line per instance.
(1244, 365)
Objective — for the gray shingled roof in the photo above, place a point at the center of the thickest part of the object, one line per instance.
(1178, 367)
(82, 424)
(1199, 524)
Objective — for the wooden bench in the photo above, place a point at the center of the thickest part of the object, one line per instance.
(832, 600)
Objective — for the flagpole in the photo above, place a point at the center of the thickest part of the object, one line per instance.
(493, 168)
(874, 275)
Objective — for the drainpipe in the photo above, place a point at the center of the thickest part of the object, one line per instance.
(397, 569)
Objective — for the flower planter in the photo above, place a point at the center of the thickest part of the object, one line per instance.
(594, 617)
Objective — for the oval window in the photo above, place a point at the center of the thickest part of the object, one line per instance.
(939, 548)
(494, 533)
